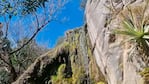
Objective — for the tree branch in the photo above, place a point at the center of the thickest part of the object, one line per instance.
(4, 60)
(38, 28)
(37, 21)
(7, 26)
(32, 37)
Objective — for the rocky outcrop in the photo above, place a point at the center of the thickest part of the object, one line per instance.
(71, 62)
(93, 54)
(112, 57)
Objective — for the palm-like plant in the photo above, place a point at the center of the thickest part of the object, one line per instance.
(134, 25)
(140, 36)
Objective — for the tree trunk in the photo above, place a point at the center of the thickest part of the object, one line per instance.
(13, 74)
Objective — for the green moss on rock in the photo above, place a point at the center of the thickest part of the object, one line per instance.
(145, 74)
(70, 62)
(77, 44)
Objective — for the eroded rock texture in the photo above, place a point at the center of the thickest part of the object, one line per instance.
(71, 62)
(119, 63)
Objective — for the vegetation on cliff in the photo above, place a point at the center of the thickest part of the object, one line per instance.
(134, 26)
(71, 62)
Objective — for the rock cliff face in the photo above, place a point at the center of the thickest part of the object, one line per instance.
(93, 54)
(112, 58)
(71, 62)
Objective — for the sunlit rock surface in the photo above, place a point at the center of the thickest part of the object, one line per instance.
(111, 57)
(91, 54)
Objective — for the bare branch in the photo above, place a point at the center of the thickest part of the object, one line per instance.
(39, 28)
(5, 60)
(32, 37)
(1, 57)
(37, 21)
(7, 26)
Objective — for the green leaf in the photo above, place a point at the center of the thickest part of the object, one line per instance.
(128, 26)
(129, 33)
(3, 0)
(146, 36)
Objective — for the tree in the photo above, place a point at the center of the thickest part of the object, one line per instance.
(27, 10)
(21, 60)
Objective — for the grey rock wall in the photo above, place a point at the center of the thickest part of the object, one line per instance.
(112, 57)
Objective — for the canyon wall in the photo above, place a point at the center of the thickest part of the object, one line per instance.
(93, 54)
(112, 57)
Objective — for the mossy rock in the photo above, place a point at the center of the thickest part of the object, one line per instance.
(100, 83)
(145, 74)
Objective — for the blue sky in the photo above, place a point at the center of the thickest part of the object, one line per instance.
(74, 16)
(71, 13)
